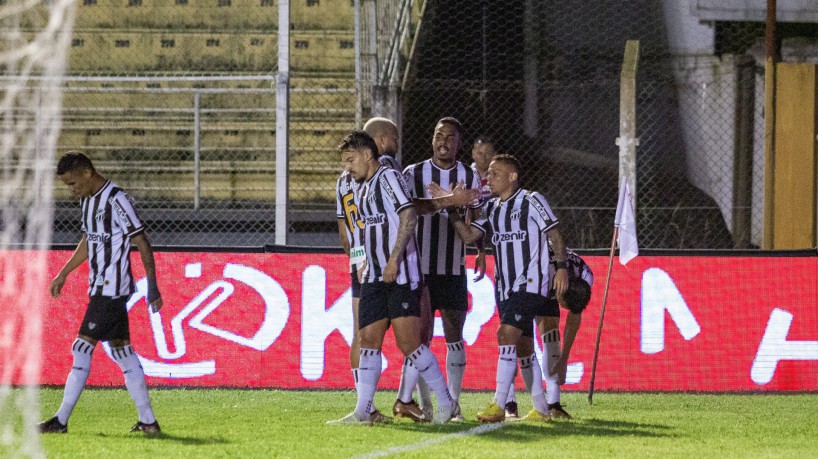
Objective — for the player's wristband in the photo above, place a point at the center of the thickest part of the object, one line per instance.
(560, 265)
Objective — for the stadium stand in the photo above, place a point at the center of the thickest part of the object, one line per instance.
(137, 67)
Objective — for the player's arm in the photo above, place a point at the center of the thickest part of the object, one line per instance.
(78, 258)
(460, 196)
(572, 323)
(406, 230)
(468, 233)
(146, 253)
(342, 235)
(561, 259)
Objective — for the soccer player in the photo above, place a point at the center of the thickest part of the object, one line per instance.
(574, 299)
(109, 225)
(350, 228)
(520, 223)
(441, 249)
(391, 278)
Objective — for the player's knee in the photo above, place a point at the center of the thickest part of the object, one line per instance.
(82, 350)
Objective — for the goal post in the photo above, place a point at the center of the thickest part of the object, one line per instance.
(34, 43)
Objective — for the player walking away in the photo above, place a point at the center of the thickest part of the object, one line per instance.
(109, 225)
(350, 229)
(441, 249)
(391, 279)
(483, 152)
(519, 223)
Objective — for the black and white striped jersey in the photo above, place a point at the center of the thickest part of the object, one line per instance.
(518, 229)
(347, 210)
(441, 249)
(109, 220)
(576, 265)
(380, 199)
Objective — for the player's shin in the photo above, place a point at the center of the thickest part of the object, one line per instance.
(75, 383)
(506, 366)
(426, 364)
(552, 351)
(369, 372)
(532, 375)
(128, 361)
(408, 379)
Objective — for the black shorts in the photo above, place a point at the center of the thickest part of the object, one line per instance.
(106, 319)
(520, 309)
(356, 285)
(380, 300)
(448, 291)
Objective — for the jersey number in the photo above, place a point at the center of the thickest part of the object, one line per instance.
(351, 212)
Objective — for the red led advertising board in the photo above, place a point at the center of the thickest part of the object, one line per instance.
(672, 323)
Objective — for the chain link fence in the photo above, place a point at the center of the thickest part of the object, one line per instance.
(175, 100)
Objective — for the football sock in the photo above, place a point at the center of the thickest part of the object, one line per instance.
(128, 361)
(506, 365)
(426, 364)
(369, 372)
(532, 375)
(408, 380)
(75, 383)
(512, 393)
(550, 355)
(425, 395)
(455, 366)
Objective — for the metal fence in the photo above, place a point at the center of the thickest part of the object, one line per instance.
(180, 110)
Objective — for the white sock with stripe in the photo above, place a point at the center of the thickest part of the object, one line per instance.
(426, 364)
(506, 365)
(75, 383)
(532, 375)
(552, 350)
(127, 359)
(455, 366)
(409, 377)
(369, 372)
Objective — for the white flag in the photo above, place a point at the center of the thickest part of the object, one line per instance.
(625, 220)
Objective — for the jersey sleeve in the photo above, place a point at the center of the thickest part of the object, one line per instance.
(482, 220)
(395, 190)
(409, 177)
(541, 212)
(339, 207)
(125, 212)
(389, 162)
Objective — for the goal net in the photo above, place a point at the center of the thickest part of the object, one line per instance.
(34, 42)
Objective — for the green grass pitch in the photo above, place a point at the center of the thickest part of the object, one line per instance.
(272, 423)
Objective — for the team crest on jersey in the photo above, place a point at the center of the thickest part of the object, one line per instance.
(515, 214)
(99, 215)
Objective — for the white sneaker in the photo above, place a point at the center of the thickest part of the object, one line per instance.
(351, 419)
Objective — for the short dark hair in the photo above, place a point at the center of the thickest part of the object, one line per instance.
(484, 138)
(510, 160)
(357, 140)
(74, 161)
(577, 296)
(453, 121)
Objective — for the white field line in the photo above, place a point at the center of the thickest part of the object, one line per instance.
(433, 441)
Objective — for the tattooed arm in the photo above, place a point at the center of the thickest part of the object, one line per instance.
(406, 230)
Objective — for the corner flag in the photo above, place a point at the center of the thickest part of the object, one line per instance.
(625, 220)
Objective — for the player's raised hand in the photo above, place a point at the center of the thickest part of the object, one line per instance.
(56, 286)
(462, 196)
(437, 191)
